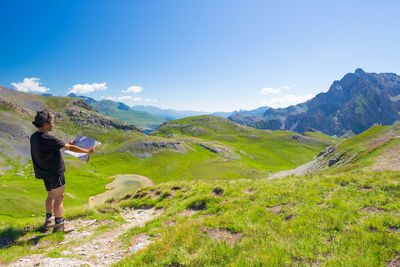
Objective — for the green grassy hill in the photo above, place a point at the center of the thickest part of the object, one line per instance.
(217, 205)
(376, 149)
(230, 151)
(124, 113)
(335, 220)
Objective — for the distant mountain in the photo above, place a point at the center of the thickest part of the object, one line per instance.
(17, 110)
(221, 114)
(352, 105)
(124, 113)
(47, 95)
(172, 114)
(168, 114)
(254, 112)
(87, 99)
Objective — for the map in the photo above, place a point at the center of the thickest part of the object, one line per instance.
(83, 142)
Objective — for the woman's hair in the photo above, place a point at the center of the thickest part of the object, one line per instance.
(42, 117)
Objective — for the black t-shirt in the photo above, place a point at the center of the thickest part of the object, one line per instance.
(46, 155)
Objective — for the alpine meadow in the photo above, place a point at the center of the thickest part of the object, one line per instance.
(208, 133)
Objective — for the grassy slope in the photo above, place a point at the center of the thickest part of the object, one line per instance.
(361, 151)
(22, 196)
(344, 220)
(260, 152)
(347, 219)
(339, 220)
(270, 152)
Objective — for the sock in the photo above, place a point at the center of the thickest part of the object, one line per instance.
(49, 215)
(59, 220)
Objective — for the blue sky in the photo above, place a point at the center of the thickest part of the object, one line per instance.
(197, 55)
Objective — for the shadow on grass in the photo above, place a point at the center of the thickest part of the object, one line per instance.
(10, 235)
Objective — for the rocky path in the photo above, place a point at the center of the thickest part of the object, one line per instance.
(87, 246)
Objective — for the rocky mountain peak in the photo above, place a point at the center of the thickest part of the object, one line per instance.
(352, 104)
(360, 71)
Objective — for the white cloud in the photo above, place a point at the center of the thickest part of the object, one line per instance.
(30, 85)
(108, 98)
(285, 101)
(133, 89)
(88, 88)
(289, 87)
(128, 97)
(269, 90)
(151, 100)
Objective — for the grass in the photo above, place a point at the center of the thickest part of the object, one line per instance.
(361, 151)
(23, 197)
(141, 119)
(345, 217)
(260, 153)
(322, 220)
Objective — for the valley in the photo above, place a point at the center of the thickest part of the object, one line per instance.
(212, 189)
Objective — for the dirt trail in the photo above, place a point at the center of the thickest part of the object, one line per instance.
(85, 246)
(304, 169)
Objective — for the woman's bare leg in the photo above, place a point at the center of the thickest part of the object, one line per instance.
(58, 201)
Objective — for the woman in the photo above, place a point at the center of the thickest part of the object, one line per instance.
(49, 166)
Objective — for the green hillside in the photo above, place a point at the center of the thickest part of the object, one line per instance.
(335, 220)
(376, 149)
(347, 220)
(213, 201)
(229, 151)
(124, 113)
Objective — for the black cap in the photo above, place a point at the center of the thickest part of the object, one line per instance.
(42, 117)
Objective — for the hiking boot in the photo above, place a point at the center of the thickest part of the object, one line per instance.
(48, 223)
(63, 227)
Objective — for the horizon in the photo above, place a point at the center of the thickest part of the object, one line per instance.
(205, 57)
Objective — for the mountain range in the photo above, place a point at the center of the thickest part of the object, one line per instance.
(173, 114)
(351, 105)
(148, 118)
(199, 191)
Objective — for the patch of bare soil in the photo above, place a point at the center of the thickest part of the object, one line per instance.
(366, 188)
(372, 209)
(168, 223)
(278, 208)
(388, 160)
(224, 235)
(89, 247)
(248, 191)
(395, 262)
(188, 213)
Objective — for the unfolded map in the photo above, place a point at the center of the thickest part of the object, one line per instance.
(83, 142)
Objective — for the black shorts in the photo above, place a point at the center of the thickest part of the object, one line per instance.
(54, 183)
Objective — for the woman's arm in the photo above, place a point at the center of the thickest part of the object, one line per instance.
(78, 149)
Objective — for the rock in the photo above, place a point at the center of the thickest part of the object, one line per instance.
(82, 113)
(333, 161)
(145, 149)
(218, 191)
(221, 150)
(327, 151)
